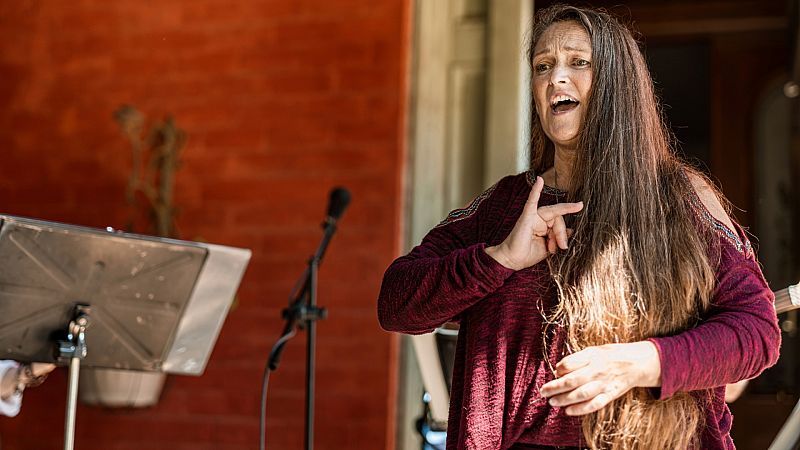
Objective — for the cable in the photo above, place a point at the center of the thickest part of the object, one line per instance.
(262, 425)
(262, 422)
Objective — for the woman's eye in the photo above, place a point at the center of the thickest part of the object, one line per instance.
(581, 63)
(539, 68)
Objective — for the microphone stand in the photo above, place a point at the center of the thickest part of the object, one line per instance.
(303, 312)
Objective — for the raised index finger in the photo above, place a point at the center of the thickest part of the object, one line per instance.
(533, 198)
(550, 212)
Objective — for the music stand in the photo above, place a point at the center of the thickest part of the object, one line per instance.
(102, 298)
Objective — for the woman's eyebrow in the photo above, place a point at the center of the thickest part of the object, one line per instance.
(577, 49)
(544, 50)
(567, 48)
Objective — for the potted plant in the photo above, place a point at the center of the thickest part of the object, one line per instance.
(149, 195)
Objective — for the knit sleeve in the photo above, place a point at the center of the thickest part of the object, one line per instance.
(448, 272)
(739, 336)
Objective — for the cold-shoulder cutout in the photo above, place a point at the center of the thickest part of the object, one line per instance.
(716, 214)
(708, 197)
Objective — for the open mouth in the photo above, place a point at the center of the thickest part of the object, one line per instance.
(563, 103)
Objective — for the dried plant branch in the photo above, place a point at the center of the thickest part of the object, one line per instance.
(154, 181)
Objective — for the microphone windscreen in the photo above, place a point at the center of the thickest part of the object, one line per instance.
(340, 198)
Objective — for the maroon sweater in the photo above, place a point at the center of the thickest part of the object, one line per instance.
(500, 365)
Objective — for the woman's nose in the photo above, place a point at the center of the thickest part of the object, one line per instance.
(559, 75)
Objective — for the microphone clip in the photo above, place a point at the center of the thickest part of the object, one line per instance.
(302, 314)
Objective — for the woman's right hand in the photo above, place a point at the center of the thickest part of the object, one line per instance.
(539, 232)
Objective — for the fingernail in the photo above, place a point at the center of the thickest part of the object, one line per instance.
(553, 402)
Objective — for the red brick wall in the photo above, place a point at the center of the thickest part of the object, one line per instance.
(281, 100)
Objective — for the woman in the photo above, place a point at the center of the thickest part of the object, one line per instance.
(605, 297)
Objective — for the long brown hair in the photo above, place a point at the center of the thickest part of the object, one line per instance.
(637, 266)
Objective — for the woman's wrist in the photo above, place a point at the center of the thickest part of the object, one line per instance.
(650, 362)
(497, 254)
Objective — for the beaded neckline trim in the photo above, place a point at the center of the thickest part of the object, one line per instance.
(531, 177)
(463, 213)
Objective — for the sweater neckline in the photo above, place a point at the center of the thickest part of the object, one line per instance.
(551, 190)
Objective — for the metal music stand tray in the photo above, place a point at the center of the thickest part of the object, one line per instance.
(77, 295)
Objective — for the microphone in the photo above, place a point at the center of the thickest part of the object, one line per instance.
(340, 199)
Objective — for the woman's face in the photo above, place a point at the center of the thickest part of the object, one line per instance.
(562, 77)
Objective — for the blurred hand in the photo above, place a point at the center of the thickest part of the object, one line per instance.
(735, 390)
(27, 375)
(539, 232)
(593, 377)
(38, 369)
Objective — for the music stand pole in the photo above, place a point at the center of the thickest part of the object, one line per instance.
(74, 348)
(72, 395)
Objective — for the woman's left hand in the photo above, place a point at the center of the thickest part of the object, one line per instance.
(593, 377)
